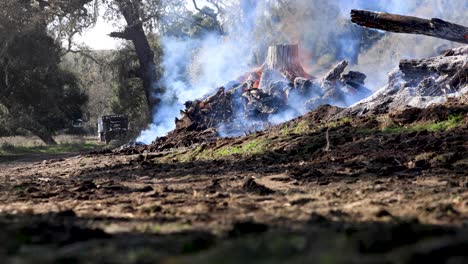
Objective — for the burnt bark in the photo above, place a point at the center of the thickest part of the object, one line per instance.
(434, 27)
(134, 32)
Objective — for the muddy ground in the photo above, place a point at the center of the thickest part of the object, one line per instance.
(375, 189)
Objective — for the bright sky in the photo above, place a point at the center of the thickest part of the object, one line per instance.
(97, 38)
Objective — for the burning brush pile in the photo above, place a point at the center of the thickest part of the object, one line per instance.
(277, 91)
(281, 89)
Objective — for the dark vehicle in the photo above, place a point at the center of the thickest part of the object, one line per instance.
(111, 127)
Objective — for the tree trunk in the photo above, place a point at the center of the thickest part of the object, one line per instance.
(283, 58)
(135, 33)
(46, 138)
(282, 61)
(412, 25)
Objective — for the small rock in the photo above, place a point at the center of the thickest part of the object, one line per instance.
(66, 213)
(316, 218)
(146, 189)
(453, 184)
(248, 227)
(382, 213)
(324, 182)
(214, 187)
(302, 201)
(85, 186)
(32, 190)
(304, 174)
(253, 187)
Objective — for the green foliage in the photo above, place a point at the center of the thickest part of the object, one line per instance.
(302, 127)
(98, 78)
(194, 25)
(36, 94)
(9, 149)
(337, 123)
(129, 96)
(452, 122)
(248, 148)
(285, 131)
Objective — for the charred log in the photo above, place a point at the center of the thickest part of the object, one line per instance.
(434, 27)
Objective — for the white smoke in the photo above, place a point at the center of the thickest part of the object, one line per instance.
(195, 67)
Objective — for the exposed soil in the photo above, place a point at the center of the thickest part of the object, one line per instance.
(283, 195)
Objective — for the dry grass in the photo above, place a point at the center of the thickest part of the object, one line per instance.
(385, 122)
(32, 141)
(31, 144)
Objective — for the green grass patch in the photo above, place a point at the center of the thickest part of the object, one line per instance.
(248, 148)
(8, 149)
(302, 127)
(256, 146)
(285, 131)
(452, 122)
(337, 123)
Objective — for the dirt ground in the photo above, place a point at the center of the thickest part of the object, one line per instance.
(342, 191)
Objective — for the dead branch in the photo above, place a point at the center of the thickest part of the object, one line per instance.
(434, 27)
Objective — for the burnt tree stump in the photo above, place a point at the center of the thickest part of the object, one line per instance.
(282, 61)
(282, 57)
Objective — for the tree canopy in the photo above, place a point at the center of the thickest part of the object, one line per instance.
(35, 94)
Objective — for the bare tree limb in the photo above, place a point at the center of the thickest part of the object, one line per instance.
(213, 16)
(84, 53)
(122, 35)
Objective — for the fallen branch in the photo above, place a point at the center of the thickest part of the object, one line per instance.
(434, 27)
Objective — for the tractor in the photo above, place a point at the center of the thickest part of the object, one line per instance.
(112, 127)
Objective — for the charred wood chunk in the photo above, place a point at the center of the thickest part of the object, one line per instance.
(269, 77)
(428, 87)
(412, 25)
(354, 78)
(431, 66)
(460, 78)
(335, 73)
(303, 85)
